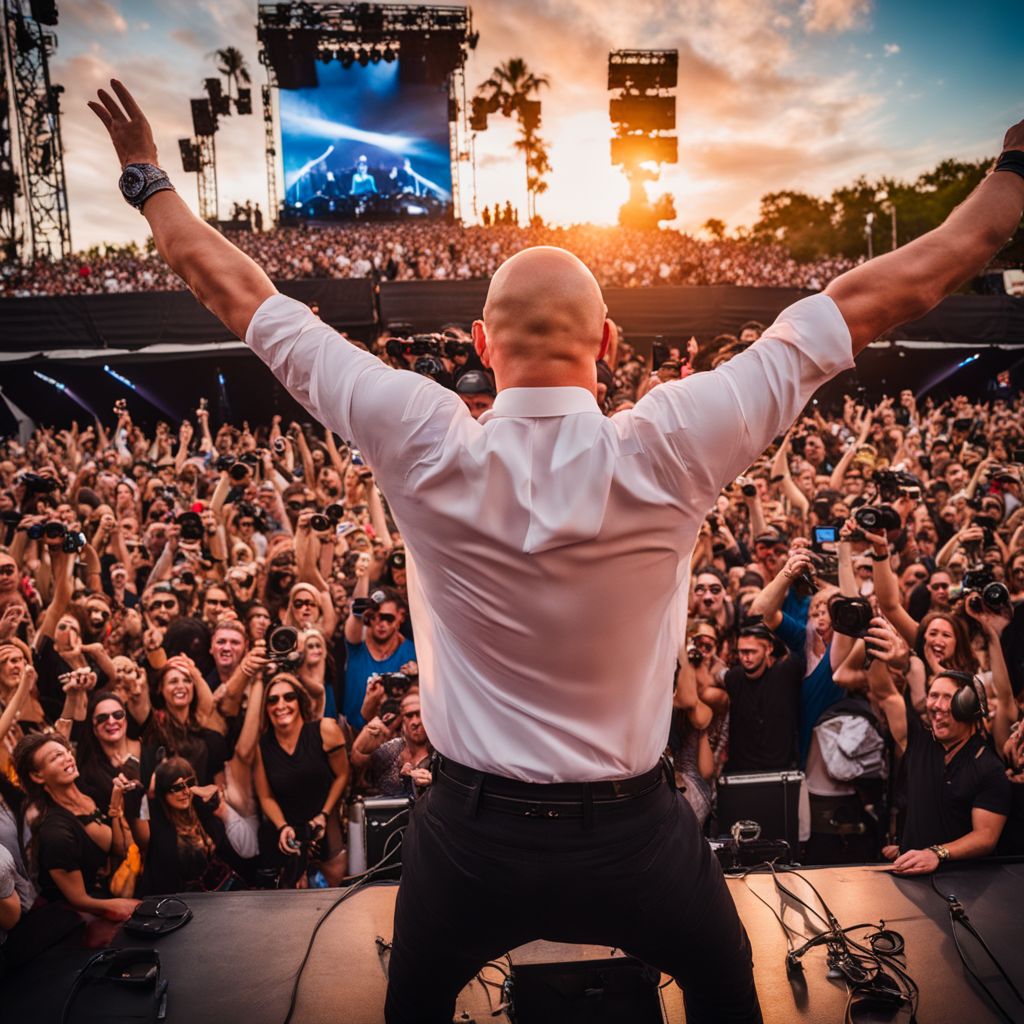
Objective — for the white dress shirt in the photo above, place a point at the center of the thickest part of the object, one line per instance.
(549, 546)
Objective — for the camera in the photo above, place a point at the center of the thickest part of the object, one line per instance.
(225, 461)
(335, 512)
(850, 616)
(895, 483)
(35, 482)
(694, 655)
(877, 517)
(74, 541)
(280, 445)
(53, 530)
(191, 526)
(283, 648)
(825, 535)
(396, 686)
(454, 349)
(318, 522)
(748, 490)
(981, 589)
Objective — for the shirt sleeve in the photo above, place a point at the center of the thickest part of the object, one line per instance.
(715, 424)
(994, 793)
(8, 873)
(395, 417)
(792, 634)
(58, 846)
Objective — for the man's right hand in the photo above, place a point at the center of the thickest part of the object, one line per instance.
(128, 129)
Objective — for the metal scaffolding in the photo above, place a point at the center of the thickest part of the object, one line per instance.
(40, 152)
(206, 179)
(270, 144)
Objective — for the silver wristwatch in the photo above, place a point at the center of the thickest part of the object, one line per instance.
(139, 181)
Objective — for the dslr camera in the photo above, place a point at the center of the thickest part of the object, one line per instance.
(396, 686)
(283, 649)
(980, 590)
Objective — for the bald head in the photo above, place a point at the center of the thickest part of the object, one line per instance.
(544, 310)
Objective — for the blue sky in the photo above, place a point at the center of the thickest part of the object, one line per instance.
(773, 94)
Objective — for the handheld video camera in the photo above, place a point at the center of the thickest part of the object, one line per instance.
(283, 648)
(981, 590)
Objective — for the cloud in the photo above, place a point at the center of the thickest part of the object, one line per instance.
(834, 15)
(98, 16)
(187, 37)
(891, 49)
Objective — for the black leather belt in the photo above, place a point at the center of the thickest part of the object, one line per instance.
(543, 799)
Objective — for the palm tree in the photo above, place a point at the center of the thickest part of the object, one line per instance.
(511, 89)
(231, 63)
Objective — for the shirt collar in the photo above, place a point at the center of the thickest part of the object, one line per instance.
(519, 403)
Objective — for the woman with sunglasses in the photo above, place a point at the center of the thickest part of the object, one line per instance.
(300, 774)
(73, 839)
(191, 846)
(105, 752)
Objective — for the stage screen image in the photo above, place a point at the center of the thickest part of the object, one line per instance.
(365, 145)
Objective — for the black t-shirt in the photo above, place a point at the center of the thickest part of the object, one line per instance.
(763, 717)
(940, 796)
(65, 845)
(50, 666)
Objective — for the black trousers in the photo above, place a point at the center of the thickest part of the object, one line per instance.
(639, 876)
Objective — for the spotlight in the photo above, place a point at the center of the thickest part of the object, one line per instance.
(364, 58)
(49, 380)
(119, 377)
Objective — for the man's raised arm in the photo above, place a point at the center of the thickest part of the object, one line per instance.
(904, 284)
(221, 276)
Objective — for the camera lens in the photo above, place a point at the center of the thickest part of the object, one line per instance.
(319, 522)
(54, 530)
(279, 445)
(238, 471)
(996, 596)
(335, 512)
(282, 641)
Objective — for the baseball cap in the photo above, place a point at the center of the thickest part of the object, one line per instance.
(474, 382)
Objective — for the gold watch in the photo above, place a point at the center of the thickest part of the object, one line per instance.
(942, 852)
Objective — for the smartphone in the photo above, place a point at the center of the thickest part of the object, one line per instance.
(659, 353)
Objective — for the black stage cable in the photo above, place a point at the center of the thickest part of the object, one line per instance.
(363, 877)
(958, 915)
(872, 973)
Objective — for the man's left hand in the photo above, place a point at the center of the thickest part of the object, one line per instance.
(129, 130)
(916, 862)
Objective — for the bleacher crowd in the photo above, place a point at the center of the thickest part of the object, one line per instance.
(433, 251)
(206, 653)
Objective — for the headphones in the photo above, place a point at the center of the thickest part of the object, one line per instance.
(970, 702)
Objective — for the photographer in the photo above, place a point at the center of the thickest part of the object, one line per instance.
(395, 765)
(300, 773)
(958, 794)
(373, 642)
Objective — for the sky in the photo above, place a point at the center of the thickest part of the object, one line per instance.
(772, 94)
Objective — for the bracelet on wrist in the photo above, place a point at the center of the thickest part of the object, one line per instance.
(282, 828)
(1011, 160)
(877, 557)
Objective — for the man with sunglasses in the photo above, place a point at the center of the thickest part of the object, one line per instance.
(374, 644)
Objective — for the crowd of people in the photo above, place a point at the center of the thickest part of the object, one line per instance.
(435, 251)
(207, 654)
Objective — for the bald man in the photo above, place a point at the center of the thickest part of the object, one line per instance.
(548, 553)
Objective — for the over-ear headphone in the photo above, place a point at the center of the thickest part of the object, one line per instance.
(970, 702)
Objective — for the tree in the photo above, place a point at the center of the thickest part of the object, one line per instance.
(232, 65)
(800, 222)
(512, 89)
(715, 228)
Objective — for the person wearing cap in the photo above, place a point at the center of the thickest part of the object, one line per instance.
(764, 704)
(475, 388)
(549, 558)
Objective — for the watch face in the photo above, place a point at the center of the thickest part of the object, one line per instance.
(133, 181)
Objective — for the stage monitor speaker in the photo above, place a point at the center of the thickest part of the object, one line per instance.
(771, 799)
(586, 992)
(383, 817)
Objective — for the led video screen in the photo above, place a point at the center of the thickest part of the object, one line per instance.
(366, 145)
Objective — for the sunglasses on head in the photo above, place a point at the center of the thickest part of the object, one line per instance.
(275, 698)
(182, 785)
(117, 716)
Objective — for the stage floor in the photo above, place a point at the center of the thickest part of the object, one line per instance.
(235, 961)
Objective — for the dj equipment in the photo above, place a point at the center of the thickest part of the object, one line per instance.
(586, 992)
(769, 799)
(372, 827)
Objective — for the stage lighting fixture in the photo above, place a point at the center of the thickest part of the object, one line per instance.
(49, 380)
(363, 58)
(189, 156)
(243, 102)
(204, 121)
(119, 377)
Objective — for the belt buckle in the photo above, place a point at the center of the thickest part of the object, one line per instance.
(617, 789)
